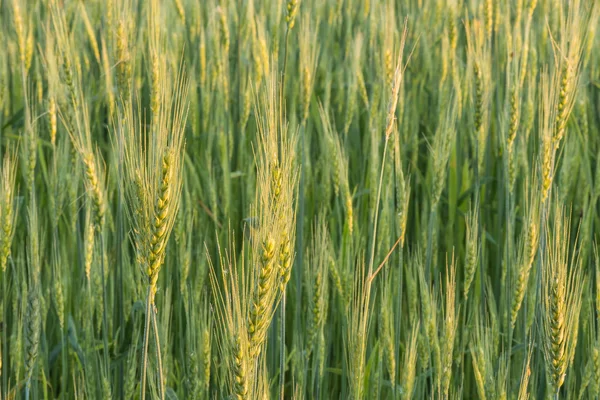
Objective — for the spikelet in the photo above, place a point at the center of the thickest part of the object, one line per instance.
(20, 30)
(489, 17)
(202, 57)
(478, 97)
(356, 335)
(315, 309)
(260, 54)
(444, 64)
(452, 26)
(67, 69)
(337, 280)
(317, 284)
(375, 377)
(93, 184)
(89, 30)
(501, 378)
(108, 79)
(8, 213)
(180, 10)
(484, 355)
(479, 57)
(388, 67)
(206, 351)
(224, 31)
(388, 333)
(58, 297)
(193, 371)
(513, 127)
(410, 364)
(525, 377)
(479, 371)
(397, 81)
(186, 251)
(259, 319)
(29, 46)
(31, 151)
(566, 73)
(156, 76)
(427, 306)
(564, 104)
(32, 331)
(423, 350)
(362, 88)
(162, 210)
(39, 86)
(34, 308)
(130, 372)
(513, 124)
(351, 90)
(547, 148)
(123, 57)
(339, 169)
(106, 389)
(292, 10)
(285, 262)
(53, 121)
(412, 289)
(402, 192)
(246, 105)
(449, 328)
(528, 249)
(562, 286)
(224, 78)
(569, 172)
(240, 371)
(444, 138)
(349, 211)
(17, 332)
(471, 249)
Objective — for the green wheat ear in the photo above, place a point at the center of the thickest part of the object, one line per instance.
(8, 211)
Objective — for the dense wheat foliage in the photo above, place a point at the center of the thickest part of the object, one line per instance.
(299, 199)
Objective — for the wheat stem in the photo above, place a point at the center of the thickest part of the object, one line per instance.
(161, 378)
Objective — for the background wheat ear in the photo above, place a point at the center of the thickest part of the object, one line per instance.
(8, 206)
(299, 199)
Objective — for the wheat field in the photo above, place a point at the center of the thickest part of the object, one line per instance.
(299, 199)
